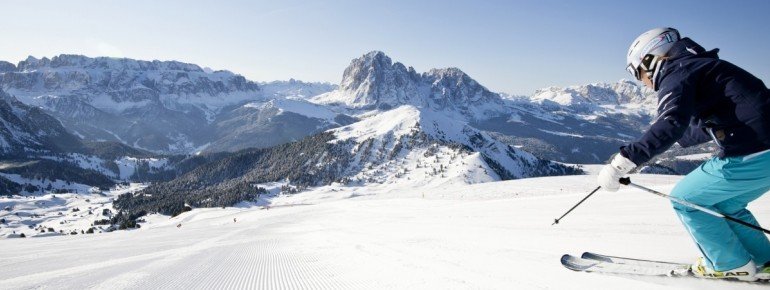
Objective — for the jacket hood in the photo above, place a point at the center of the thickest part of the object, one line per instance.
(683, 49)
(687, 47)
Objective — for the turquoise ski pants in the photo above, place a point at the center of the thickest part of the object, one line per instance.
(726, 185)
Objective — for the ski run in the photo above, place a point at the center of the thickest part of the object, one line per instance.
(495, 235)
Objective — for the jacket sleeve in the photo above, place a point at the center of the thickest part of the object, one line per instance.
(675, 109)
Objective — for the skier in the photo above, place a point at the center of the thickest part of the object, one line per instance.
(702, 98)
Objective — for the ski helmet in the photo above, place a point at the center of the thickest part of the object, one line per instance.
(647, 51)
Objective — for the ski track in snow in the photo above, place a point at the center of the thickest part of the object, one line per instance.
(483, 236)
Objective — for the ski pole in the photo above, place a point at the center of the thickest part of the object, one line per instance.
(627, 181)
(556, 221)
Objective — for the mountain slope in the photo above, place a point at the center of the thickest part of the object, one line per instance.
(456, 237)
(404, 146)
(25, 129)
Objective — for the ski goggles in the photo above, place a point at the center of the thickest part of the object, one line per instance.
(634, 71)
(647, 65)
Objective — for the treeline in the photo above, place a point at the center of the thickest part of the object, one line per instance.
(229, 180)
(8, 187)
(52, 170)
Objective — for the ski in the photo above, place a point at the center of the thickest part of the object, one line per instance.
(597, 263)
(679, 268)
(608, 267)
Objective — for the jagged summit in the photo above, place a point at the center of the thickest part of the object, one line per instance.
(6, 66)
(590, 97)
(374, 81)
(81, 61)
(164, 106)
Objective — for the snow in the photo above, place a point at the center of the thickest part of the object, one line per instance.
(128, 165)
(562, 133)
(388, 130)
(74, 211)
(42, 184)
(82, 161)
(297, 106)
(399, 121)
(696, 157)
(494, 235)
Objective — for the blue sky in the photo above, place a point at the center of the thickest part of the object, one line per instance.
(508, 46)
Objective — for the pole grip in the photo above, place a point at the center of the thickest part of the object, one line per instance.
(625, 180)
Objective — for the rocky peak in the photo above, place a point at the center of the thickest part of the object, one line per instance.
(454, 85)
(6, 67)
(84, 62)
(621, 93)
(374, 81)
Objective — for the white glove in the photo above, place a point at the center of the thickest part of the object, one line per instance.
(611, 173)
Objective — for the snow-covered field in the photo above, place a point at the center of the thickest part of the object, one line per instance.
(53, 214)
(494, 235)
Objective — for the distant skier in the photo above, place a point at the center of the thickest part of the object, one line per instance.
(702, 98)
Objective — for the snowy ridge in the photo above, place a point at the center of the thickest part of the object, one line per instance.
(297, 106)
(170, 82)
(295, 88)
(598, 97)
(412, 145)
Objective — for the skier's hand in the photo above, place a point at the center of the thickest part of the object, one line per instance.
(611, 173)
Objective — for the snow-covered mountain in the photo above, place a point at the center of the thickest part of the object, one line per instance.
(416, 146)
(404, 146)
(577, 124)
(295, 88)
(374, 81)
(28, 130)
(38, 155)
(162, 106)
(264, 124)
(174, 107)
(593, 98)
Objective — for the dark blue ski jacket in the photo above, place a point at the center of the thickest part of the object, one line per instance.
(703, 98)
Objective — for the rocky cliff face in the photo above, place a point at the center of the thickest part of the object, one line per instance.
(161, 106)
(28, 130)
(374, 81)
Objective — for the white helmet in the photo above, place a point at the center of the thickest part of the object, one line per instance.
(647, 52)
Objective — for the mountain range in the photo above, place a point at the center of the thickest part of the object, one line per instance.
(213, 138)
(162, 106)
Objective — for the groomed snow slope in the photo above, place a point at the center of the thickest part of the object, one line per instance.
(494, 235)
